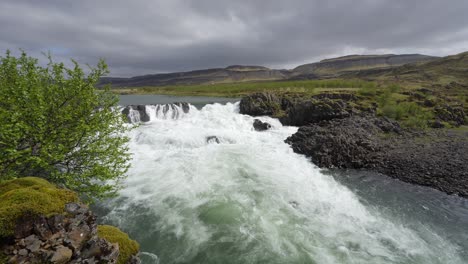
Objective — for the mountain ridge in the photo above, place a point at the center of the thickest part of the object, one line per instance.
(327, 68)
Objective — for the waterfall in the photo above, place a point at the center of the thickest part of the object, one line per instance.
(146, 113)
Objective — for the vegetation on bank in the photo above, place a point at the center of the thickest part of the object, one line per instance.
(56, 125)
(245, 88)
(24, 198)
(127, 246)
(416, 108)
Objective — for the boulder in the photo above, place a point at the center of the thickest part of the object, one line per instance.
(212, 139)
(261, 126)
(62, 255)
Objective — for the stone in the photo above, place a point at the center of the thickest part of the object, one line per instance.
(212, 139)
(56, 223)
(260, 126)
(62, 255)
(72, 208)
(77, 236)
(134, 260)
(32, 243)
(69, 238)
(23, 252)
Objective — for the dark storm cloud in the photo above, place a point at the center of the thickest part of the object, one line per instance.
(144, 36)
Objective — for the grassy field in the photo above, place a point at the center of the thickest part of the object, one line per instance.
(240, 89)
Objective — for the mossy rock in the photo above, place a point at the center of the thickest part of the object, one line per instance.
(30, 197)
(127, 246)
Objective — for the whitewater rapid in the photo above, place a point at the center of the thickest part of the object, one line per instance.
(251, 199)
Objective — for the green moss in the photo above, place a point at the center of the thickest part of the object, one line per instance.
(30, 196)
(128, 247)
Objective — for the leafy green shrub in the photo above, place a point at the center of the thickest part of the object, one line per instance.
(127, 246)
(420, 120)
(393, 110)
(56, 125)
(411, 114)
(28, 197)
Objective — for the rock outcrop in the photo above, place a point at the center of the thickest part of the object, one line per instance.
(454, 115)
(431, 158)
(343, 143)
(46, 234)
(261, 104)
(297, 111)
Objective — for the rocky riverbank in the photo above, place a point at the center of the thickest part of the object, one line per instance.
(339, 131)
(40, 223)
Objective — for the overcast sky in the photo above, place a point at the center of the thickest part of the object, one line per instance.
(150, 36)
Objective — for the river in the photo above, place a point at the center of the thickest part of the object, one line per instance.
(248, 198)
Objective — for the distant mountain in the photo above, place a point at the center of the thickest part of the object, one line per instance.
(328, 68)
(234, 73)
(443, 70)
(337, 66)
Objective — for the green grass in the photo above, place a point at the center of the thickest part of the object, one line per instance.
(244, 88)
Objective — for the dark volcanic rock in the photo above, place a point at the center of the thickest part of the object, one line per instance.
(314, 111)
(261, 126)
(297, 111)
(452, 114)
(433, 158)
(342, 143)
(259, 104)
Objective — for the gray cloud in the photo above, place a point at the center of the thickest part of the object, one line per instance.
(148, 36)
